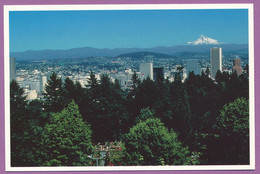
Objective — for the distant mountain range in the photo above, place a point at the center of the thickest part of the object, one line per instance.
(95, 52)
(140, 55)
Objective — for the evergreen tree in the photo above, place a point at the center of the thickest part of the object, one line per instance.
(222, 77)
(107, 112)
(136, 81)
(181, 121)
(69, 91)
(146, 96)
(144, 115)
(131, 104)
(200, 91)
(74, 91)
(93, 87)
(89, 99)
(54, 96)
(163, 104)
(67, 139)
(207, 72)
(18, 115)
(230, 87)
(25, 132)
(81, 99)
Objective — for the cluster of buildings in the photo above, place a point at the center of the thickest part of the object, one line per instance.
(34, 81)
(192, 65)
(216, 62)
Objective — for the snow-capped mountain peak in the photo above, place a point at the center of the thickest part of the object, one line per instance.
(204, 40)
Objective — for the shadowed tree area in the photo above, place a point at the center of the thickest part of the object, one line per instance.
(25, 129)
(191, 121)
(231, 132)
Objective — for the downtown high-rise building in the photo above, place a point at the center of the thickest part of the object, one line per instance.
(146, 70)
(215, 60)
(12, 68)
(192, 65)
(237, 67)
(43, 82)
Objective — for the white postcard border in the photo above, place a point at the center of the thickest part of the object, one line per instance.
(249, 6)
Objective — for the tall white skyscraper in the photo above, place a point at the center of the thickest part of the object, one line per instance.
(147, 70)
(12, 68)
(43, 82)
(193, 65)
(215, 60)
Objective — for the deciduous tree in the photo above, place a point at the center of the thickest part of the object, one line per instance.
(150, 143)
(231, 136)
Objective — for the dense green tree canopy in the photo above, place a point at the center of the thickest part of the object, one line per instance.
(25, 132)
(106, 109)
(232, 128)
(67, 139)
(18, 114)
(181, 121)
(204, 114)
(150, 143)
(144, 115)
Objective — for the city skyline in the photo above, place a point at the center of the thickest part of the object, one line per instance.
(39, 30)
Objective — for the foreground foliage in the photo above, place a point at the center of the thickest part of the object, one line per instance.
(67, 139)
(198, 121)
(232, 133)
(150, 143)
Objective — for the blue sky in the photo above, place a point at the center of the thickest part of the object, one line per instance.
(39, 30)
